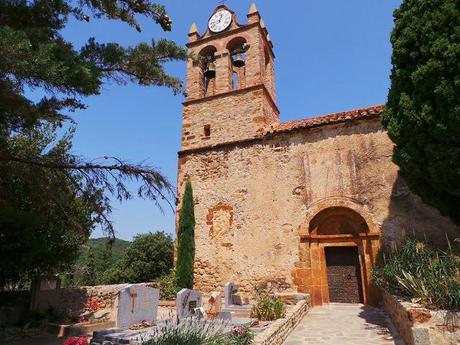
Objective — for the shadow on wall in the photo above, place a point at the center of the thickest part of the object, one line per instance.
(409, 216)
(70, 302)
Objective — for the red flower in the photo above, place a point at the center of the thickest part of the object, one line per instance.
(75, 341)
(92, 305)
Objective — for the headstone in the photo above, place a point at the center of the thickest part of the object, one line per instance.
(215, 304)
(199, 312)
(231, 296)
(137, 303)
(186, 302)
(236, 299)
(224, 315)
(228, 291)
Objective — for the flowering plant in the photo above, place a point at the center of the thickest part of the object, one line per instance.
(143, 324)
(76, 341)
(83, 318)
(242, 335)
(92, 305)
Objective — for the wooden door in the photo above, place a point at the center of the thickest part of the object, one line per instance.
(344, 275)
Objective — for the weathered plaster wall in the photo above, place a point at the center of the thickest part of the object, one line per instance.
(253, 199)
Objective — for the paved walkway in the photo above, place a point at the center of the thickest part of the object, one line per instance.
(344, 324)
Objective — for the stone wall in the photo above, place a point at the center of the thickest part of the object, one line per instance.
(420, 326)
(277, 332)
(72, 301)
(254, 199)
(226, 121)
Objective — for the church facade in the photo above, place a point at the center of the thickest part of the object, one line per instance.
(304, 205)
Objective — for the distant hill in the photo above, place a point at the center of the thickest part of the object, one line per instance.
(118, 247)
(103, 259)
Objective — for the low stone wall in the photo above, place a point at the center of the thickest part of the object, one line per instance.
(13, 305)
(420, 326)
(279, 330)
(72, 301)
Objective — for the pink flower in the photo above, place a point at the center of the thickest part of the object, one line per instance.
(239, 330)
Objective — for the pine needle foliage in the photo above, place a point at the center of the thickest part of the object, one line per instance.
(186, 240)
(50, 192)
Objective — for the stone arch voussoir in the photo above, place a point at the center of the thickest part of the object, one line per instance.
(350, 203)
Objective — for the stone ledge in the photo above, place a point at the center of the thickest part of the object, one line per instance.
(279, 330)
(420, 326)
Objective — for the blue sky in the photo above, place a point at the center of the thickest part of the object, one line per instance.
(331, 55)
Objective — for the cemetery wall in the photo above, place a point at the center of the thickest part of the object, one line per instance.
(73, 301)
(254, 200)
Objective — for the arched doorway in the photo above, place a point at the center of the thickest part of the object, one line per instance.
(337, 250)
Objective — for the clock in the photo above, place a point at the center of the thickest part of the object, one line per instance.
(220, 21)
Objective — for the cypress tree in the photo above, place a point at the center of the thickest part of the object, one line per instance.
(422, 115)
(186, 240)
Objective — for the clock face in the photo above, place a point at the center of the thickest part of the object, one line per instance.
(220, 21)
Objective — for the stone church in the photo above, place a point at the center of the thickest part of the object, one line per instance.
(305, 204)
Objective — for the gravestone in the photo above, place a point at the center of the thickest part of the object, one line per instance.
(187, 301)
(215, 304)
(137, 303)
(231, 296)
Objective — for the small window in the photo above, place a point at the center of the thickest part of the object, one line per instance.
(235, 83)
(207, 130)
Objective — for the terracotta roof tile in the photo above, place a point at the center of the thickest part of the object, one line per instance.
(362, 113)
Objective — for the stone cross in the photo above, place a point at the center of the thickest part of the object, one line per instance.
(136, 303)
(133, 295)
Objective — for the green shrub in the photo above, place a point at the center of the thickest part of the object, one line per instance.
(168, 286)
(267, 307)
(191, 332)
(241, 335)
(198, 332)
(418, 273)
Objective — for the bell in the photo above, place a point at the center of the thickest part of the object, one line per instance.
(210, 70)
(238, 60)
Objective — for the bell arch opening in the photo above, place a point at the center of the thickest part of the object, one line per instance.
(237, 48)
(337, 221)
(208, 70)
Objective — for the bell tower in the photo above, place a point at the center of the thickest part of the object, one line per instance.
(230, 81)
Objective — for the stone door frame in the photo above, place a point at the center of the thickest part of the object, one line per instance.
(310, 272)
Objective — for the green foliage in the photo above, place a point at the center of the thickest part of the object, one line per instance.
(196, 332)
(146, 259)
(50, 198)
(106, 252)
(168, 286)
(36, 236)
(418, 273)
(242, 335)
(422, 115)
(34, 53)
(186, 242)
(267, 307)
